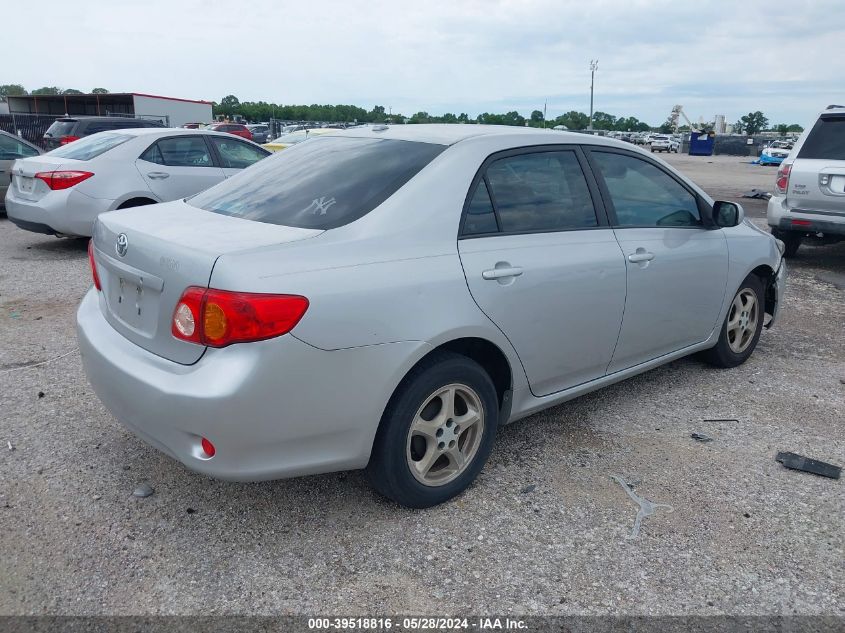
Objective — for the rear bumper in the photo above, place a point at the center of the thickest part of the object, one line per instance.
(781, 217)
(273, 409)
(68, 212)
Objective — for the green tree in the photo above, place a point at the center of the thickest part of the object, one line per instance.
(794, 128)
(537, 119)
(573, 120)
(420, 117)
(99, 91)
(72, 91)
(754, 122)
(46, 90)
(781, 128)
(12, 90)
(604, 121)
(230, 105)
(739, 127)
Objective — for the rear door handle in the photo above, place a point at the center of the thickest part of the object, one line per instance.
(158, 175)
(502, 273)
(640, 256)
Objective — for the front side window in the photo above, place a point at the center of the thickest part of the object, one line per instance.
(179, 151)
(322, 184)
(544, 191)
(644, 195)
(236, 154)
(90, 146)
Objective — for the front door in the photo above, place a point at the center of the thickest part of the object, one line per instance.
(543, 266)
(677, 266)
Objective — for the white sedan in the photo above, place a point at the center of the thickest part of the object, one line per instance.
(63, 191)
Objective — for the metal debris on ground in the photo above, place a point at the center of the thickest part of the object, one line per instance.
(144, 490)
(9, 444)
(794, 461)
(701, 437)
(757, 193)
(647, 508)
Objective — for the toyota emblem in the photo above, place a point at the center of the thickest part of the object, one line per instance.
(122, 244)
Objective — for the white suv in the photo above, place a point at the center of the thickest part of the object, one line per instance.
(809, 199)
(663, 143)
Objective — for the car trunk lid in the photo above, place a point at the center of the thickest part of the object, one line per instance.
(147, 257)
(817, 176)
(27, 186)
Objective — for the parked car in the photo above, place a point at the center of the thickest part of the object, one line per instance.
(775, 152)
(12, 147)
(363, 301)
(68, 129)
(809, 197)
(238, 129)
(286, 140)
(259, 132)
(664, 143)
(194, 126)
(63, 191)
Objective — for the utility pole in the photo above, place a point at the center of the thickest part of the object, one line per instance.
(594, 66)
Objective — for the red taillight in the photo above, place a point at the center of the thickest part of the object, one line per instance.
(63, 179)
(782, 182)
(801, 223)
(93, 265)
(68, 139)
(208, 447)
(218, 318)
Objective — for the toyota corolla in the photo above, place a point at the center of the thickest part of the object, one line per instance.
(388, 297)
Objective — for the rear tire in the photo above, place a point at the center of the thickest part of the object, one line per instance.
(436, 432)
(741, 327)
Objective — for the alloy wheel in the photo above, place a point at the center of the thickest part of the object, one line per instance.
(742, 320)
(445, 434)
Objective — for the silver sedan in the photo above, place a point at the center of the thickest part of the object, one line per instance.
(388, 297)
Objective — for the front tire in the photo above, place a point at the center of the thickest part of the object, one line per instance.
(436, 433)
(742, 326)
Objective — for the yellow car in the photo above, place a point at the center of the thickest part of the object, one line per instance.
(286, 140)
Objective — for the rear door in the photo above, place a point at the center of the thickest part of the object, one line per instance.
(817, 177)
(179, 166)
(677, 266)
(543, 265)
(233, 154)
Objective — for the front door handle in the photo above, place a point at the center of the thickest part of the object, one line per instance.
(502, 273)
(641, 255)
(158, 175)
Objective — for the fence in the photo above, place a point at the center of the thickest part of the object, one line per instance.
(31, 127)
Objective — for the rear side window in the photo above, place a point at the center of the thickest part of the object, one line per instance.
(544, 191)
(826, 140)
(90, 146)
(480, 217)
(322, 184)
(12, 148)
(180, 151)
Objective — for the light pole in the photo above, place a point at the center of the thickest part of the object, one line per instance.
(594, 66)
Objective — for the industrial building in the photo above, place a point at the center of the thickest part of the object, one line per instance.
(171, 111)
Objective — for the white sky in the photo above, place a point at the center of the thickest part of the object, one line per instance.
(718, 57)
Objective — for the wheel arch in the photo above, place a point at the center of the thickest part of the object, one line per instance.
(135, 201)
(767, 275)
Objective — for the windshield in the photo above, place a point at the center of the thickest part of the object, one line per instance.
(59, 128)
(826, 140)
(293, 137)
(90, 147)
(323, 184)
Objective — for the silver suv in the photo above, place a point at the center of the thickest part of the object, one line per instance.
(810, 190)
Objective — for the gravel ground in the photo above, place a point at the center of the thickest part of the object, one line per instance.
(543, 531)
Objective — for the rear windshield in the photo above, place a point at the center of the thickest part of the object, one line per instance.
(826, 140)
(59, 128)
(90, 146)
(322, 184)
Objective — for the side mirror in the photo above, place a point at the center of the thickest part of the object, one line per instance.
(727, 214)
